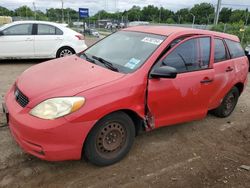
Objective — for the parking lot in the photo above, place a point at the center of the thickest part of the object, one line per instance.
(197, 154)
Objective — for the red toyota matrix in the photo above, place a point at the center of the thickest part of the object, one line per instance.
(93, 104)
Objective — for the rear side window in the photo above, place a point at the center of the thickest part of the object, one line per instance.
(220, 53)
(48, 30)
(21, 29)
(191, 55)
(235, 49)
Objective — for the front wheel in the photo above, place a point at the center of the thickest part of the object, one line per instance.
(110, 140)
(228, 104)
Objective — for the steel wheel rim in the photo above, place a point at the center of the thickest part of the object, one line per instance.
(229, 103)
(110, 139)
(65, 52)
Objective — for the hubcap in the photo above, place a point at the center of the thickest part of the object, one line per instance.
(65, 52)
(111, 138)
(229, 103)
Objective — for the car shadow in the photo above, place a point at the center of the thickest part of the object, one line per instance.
(22, 61)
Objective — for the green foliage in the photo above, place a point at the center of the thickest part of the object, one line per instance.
(225, 15)
(237, 29)
(5, 12)
(24, 11)
(204, 13)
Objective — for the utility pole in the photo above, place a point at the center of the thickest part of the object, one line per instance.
(193, 19)
(217, 13)
(34, 6)
(62, 13)
(68, 16)
(246, 16)
(160, 15)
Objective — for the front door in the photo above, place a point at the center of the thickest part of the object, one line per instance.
(17, 42)
(186, 97)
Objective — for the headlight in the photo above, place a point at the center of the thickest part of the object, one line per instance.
(57, 107)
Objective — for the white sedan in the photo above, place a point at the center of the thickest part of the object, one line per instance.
(38, 39)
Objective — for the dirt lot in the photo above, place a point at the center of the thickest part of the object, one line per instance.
(206, 153)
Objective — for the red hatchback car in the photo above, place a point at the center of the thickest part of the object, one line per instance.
(94, 103)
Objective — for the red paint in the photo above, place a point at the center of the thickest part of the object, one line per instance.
(170, 101)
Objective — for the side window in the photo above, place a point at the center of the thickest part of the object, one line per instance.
(191, 55)
(46, 29)
(21, 29)
(235, 49)
(205, 46)
(220, 53)
(59, 31)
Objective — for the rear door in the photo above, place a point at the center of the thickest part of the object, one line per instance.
(224, 72)
(186, 97)
(47, 40)
(17, 41)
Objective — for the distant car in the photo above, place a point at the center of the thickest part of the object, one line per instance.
(92, 32)
(38, 39)
(247, 51)
(91, 105)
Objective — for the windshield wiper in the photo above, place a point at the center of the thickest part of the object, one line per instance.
(88, 58)
(106, 63)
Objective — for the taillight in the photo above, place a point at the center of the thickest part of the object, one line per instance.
(80, 37)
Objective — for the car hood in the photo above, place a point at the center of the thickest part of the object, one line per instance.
(63, 77)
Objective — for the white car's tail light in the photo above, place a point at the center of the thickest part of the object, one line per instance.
(80, 37)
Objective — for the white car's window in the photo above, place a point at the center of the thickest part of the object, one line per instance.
(48, 30)
(21, 29)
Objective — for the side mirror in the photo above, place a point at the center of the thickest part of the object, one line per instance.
(1, 33)
(164, 72)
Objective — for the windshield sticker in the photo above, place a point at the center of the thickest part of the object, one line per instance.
(132, 63)
(152, 40)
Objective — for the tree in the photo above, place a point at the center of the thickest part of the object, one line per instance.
(24, 11)
(204, 13)
(41, 15)
(150, 13)
(182, 16)
(5, 12)
(225, 15)
(237, 16)
(134, 14)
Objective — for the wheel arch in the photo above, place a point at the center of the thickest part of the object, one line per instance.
(240, 87)
(136, 118)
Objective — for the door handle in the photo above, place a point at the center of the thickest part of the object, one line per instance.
(206, 80)
(58, 38)
(28, 39)
(229, 69)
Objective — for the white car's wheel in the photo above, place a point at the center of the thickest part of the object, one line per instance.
(65, 51)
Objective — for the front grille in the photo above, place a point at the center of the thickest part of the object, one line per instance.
(21, 99)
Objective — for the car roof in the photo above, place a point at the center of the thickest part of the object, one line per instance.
(169, 30)
(36, 22)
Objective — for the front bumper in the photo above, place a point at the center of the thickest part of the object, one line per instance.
(52, 140)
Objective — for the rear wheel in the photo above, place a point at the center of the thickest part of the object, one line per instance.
(110, 140)
(228, 104)
(65, 51)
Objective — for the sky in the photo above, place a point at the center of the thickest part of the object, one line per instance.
(118, 5)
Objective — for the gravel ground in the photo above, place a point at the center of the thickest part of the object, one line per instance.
(206, 153)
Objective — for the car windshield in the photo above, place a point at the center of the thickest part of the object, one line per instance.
(124, 50)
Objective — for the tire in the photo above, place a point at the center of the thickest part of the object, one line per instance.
(228, 104)
(64, 51)
(110, 139)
